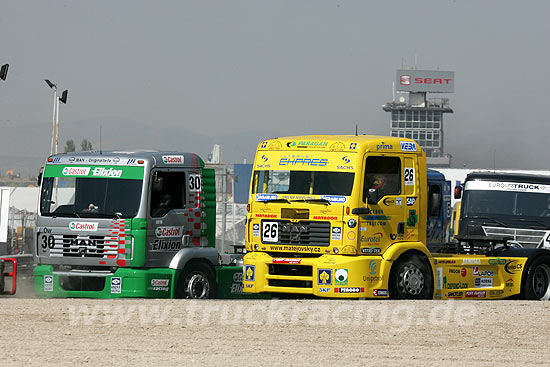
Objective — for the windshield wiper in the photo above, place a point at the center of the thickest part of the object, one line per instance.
(544, 225)
(320, 201)
(485, 218)
(276, 201)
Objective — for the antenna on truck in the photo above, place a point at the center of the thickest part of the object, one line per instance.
(356, 129)
(100, 152)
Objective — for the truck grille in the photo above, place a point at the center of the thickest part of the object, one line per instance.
(527, 237)
(84, 246)
(307, 233)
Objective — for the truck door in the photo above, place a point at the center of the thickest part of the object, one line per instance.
(168, 228)
(384, 222)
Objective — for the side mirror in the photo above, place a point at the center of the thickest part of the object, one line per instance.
(458, 192)
(40, 173)
(157, 183)
(372, 196)
(360, 211)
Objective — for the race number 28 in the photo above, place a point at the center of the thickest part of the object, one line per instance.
(270, 231)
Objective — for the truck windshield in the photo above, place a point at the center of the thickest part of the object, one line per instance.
(303, 182)
(520, 204)
(90, 197)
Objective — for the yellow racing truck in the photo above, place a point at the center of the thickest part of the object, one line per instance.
(345, 217)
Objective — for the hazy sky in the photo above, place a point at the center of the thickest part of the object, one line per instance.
(187, 74)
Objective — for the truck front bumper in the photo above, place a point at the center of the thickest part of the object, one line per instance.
(337, 276)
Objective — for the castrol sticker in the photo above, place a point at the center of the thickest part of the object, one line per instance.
(83, 226)
(172, 159)
(164, 232)
(76, 171)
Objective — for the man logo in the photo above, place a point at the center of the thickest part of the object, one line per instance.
(405, 80)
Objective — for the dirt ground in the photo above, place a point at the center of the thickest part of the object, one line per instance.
(273, 332)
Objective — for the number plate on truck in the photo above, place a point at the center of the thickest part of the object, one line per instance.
(270, 231)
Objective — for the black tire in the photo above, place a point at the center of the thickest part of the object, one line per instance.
(537, 282)
(197, 281)
(411, 278)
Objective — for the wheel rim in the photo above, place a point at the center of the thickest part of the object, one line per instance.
(411, 280)
(541, 282)
(197, 286)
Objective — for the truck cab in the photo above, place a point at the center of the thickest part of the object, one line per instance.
(126, 224)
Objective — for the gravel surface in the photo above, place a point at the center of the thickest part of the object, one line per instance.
(273, 333)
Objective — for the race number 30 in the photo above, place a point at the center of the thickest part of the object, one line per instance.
(408, 176)
(270, 231)
(194, 182)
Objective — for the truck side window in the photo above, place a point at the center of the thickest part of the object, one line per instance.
(434, 200)
(168, 193)
(384, 174)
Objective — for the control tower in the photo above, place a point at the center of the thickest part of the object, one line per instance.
(415, 116)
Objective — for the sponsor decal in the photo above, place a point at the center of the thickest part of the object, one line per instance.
(497, 261)
(471, 261)
(507, 186)
(370, 250)
(483, 282)
(249, 273)
(463, 272)
(75, 171)
(262, 215)
(353, 146)
(475, 294)
(160, 285)
(341, 277)
(485, 273)
(256, 230)
(388, 201)
(281, 260)
(266, 197)
(376, 278)
(169, 232)
(351, 235)
(455, 294)
(264, 158)
(346, 159)
(166, 245)
(264, 144)
(510, 283)
(106, 172)
(373, 267)
(513, 267)
(336, 233)
(380, 292)
(324, 290)
(408, 146)
(116, 285)
(324, 276)
(375, 238)
(352, 223)
(376, 217)
(398, 201)
(172, 159)
(497, 293)
(393, 236)
(383, 146)
(312, 162)
(411, 200)
(458, 285)
(454, 271)
(83, 226)
(325, 217)
(445, 261)
(349, 290)
(412, 219)
(334, 198)
(307, 143)
(439, 278)
(48, 283)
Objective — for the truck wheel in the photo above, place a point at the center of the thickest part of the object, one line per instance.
(411, 278)
(197, 280)
(537, 284)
